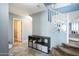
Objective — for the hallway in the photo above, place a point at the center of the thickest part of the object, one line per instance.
(23, 50)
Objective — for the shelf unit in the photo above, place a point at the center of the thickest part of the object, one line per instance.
(41, 43)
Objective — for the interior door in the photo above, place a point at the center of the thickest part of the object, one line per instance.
(17, 31)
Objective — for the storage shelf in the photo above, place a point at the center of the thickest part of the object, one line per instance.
(42, 45)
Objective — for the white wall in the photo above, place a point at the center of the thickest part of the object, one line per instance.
(4, 29)
(36, 24)
(74, 17)
(44, 24)
(26, 26)
(41, 26)
(59, 37)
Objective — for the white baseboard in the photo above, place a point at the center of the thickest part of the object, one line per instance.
(4, 54)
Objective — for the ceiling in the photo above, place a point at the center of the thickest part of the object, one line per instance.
(23, 9)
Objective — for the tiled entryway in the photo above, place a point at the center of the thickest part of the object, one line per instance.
(23, 50)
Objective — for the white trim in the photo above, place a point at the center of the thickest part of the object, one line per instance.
(67, 28)
(74, 39)
(13, 31)
(13, 28)
(4, 53)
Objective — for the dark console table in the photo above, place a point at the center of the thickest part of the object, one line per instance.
(41, 43)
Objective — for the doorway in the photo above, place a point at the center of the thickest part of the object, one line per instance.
(17, 31)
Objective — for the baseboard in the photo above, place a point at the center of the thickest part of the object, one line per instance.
(4, 54)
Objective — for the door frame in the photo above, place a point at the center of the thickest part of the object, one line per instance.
(16, 19)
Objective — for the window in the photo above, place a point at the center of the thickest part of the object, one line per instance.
(74, 26)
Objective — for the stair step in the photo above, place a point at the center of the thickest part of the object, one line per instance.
(55, 52)
(71, 46)
(74, 42)
(58, 52)
(69, 51)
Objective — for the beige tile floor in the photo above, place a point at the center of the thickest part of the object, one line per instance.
(23, 50)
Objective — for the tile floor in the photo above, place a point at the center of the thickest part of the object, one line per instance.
(23, 50)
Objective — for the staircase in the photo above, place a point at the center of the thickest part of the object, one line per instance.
(66, 50)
